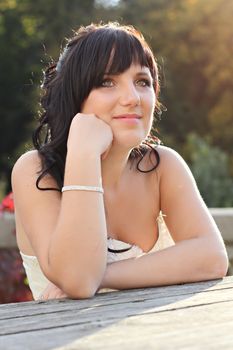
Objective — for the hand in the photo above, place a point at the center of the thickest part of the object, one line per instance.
(52, 292)
(90, 133)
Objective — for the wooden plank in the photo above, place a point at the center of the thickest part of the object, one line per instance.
(30, 308)
(179, 329)
(164, 312)
(113, 297)
(110, 310)
(224, 219)
(17, 310)
(187, 328)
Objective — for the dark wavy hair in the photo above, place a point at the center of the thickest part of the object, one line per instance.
(88, 55)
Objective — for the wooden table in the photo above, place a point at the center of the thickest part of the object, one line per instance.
(189, 316)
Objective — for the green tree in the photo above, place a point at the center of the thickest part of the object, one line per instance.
(16, 82)
(29, 31)
(210, 167)
(192, 40)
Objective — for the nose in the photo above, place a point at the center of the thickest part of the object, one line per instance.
(130, 96)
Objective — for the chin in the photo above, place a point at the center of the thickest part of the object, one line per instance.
(129, 141)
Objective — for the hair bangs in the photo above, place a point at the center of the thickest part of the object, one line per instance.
(117, 57)
(126, 50)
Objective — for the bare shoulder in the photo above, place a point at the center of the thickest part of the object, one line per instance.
(169, 157)
(187, 216)
(172, 165)
(26, 170)
(32, 204)
(28, 163)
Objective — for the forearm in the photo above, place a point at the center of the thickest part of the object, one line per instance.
(187, 261)
(80, 237)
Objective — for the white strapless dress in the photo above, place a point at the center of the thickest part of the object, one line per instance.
(117, 250)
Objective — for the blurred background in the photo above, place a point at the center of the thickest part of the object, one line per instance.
(193, 43)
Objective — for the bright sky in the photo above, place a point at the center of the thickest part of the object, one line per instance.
(108, 2)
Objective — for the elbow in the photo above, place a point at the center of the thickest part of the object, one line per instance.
(222, 266)
(74, 285)
(79, 287)
(218, 266)
(80, 293)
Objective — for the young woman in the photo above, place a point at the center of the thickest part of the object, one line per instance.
(89, 197)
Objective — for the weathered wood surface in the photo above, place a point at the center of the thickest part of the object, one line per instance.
(190, 316)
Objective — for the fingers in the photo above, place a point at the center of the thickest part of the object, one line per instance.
(52, 292)
(51, 296)
(89, 126)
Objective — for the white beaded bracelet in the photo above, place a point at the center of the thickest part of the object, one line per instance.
(82, 188)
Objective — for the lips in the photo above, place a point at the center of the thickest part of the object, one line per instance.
(127, 116)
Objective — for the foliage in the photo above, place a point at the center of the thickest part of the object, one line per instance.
(192, 40)
(15, 82)
(210, 168)
(7, 204)
(27, 30)
(13, 282)
(13, 287)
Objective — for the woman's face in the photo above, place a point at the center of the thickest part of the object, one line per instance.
(126, 102)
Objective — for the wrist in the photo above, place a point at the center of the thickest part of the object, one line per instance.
(82, 168)
(83, 153)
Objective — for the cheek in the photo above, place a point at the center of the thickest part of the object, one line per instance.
(149, 105)
(149, 111)
(153, 102)
(97, 104)
(148, 125)
(87, 106)
(149, 98)
(90, 105)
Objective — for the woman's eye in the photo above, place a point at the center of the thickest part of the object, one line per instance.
(143, 82)
(107, 83)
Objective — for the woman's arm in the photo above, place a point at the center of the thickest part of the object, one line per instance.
(188, 261)
(67, 232)
(199, 252)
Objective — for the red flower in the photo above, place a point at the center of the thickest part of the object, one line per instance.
(7, 203)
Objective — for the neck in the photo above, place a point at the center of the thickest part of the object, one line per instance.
(114, 167)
